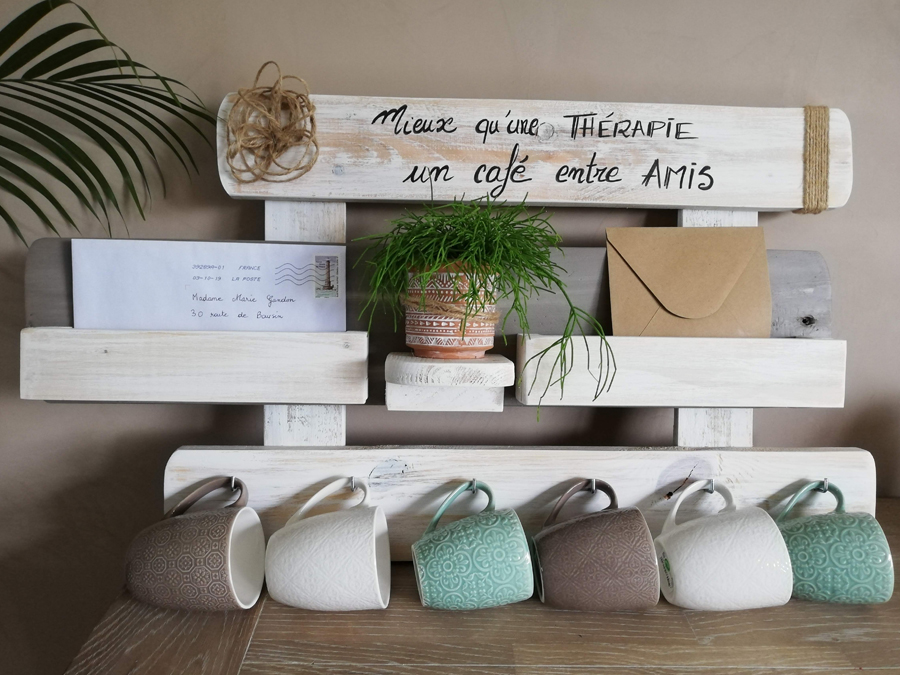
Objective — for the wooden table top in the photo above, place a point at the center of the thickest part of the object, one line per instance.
(525, 638)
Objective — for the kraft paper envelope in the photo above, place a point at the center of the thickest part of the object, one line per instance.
(689, 282)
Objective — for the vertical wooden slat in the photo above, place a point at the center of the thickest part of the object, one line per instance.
(312, 222)
(715, 427)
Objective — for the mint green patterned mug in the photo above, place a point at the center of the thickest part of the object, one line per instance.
(837, 556)
(477, 562)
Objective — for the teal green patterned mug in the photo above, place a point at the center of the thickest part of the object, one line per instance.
(837, 556)
(477, 562)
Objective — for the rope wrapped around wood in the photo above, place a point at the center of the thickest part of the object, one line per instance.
(815, 159)
(265, 128)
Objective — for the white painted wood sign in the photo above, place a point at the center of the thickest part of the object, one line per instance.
(556, 152)
(411, 482)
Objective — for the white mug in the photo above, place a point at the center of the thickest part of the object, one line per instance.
(339, 561)
(735, 559)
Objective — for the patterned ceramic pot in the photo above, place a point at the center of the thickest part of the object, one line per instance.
(735, 559)
(433, 332)
(602, 561)
(838, 556)
(338, 561)
(206, 560)
(479, 561)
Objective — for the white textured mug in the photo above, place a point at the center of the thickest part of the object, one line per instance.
(735, 559)
(338, 561)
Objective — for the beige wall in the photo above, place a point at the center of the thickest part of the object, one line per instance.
(79, 480)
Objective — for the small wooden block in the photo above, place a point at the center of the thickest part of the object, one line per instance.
(491, 371)
(443, 399)
(65, 364)
(411, 482)
(692, 373)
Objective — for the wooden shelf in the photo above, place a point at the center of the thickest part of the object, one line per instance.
(66, 364)
(410, 482)
(693, 372)
(441, 385)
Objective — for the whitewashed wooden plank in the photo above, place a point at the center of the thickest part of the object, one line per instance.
(310, 222)
(694, 373)
(717, 218)
(405, 397)
(319, 222)
(410, 482)
(291, 425)
(714, 427)
(754, 155)
(65, 364)
(491, 371)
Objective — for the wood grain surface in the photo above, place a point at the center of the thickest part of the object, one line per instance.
(67, 364)
(522, 639)
(754, 155)
(689, 373)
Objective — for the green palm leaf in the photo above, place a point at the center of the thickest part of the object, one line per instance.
(57, 95)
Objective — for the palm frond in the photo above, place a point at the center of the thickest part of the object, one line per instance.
(76, 111)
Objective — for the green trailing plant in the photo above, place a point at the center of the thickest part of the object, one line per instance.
(70, 81)
(503, 252)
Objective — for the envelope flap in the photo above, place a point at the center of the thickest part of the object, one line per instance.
(690, 271)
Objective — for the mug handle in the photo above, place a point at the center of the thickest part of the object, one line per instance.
(468, 485)
(815, 485)
(205, 489)
(329, 490)
(696, 486)
(587, 485)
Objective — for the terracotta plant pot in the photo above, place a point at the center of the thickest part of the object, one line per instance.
(434, 335)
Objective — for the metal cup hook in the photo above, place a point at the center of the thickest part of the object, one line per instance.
(353, 486)
(232, 484)
(824, 486)
(593, 486)
(474, 486)
(711, 488)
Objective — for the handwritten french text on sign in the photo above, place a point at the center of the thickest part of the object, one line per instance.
(185, 285)
(555, 152)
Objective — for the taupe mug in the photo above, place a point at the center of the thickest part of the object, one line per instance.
(206, 560)
(601, 561)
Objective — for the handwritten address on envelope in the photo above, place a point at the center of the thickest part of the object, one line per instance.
(187, 285)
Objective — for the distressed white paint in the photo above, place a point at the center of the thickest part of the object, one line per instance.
(410, 482)
(319, 222)
(714, 427)
(491, 371)
(65, 364)
(693, 373)
(443, 399)
(755, 154)
(305, 425)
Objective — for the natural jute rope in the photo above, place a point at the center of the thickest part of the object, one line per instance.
(452, 310)
(264, 124)
(815, 159)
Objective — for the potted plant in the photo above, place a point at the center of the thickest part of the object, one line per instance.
(448, 266)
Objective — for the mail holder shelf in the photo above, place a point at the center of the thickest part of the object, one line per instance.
(690, 373)
(68, 364)
(443, 385)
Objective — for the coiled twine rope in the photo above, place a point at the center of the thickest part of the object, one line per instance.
(815, 159)
(265, 129)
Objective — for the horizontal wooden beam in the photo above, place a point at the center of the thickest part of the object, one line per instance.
(65, 364)
(691, 373)
(555, 153)
(410, 482)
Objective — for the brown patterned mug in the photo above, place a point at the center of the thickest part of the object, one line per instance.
(600, 561)
(210, 560)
